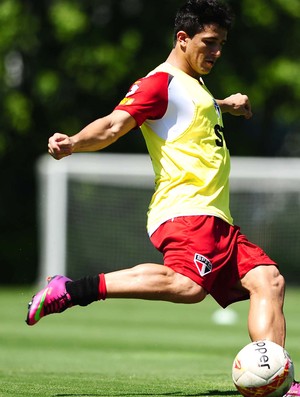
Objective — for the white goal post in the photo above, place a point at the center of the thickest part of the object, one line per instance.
(92, 211)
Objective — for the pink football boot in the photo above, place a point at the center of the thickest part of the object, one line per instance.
(294, 390)
(51, 299)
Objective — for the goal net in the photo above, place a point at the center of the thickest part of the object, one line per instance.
(92, 211)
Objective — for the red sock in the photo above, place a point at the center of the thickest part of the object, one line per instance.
(102, 287)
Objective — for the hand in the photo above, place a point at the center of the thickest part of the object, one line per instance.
(237, 105)
(59, 146)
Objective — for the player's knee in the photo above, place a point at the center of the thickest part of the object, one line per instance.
(188, 290)
(197, 295)
(272, 278)
(265, 280)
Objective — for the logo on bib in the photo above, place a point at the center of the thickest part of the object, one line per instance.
(203, 265)
(217, 108)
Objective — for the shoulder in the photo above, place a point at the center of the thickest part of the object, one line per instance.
(153, 83)
(147, 97)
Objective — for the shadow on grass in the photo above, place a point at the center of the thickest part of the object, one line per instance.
(176, 393)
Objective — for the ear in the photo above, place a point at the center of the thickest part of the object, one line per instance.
(182, 38)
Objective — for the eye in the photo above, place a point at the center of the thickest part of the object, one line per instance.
(209, 42)
(213, 42)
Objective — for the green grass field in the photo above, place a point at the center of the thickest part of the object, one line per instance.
(125, 348)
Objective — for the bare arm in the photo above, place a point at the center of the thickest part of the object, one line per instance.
(237, 105)
(95, 136)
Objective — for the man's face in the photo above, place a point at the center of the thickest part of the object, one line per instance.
(202, 51)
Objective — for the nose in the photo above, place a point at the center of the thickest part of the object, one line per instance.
(216, 51)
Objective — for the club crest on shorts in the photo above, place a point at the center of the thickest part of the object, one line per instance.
(203, 265)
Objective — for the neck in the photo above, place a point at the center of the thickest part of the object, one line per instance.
(180, 63)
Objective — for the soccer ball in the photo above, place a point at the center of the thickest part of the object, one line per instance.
(262, 369)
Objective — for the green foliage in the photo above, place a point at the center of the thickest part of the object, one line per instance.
(68, 20)
(74, 54)
(291, 7)
(99, 68)
(259, 13)
(18, 27)
(17, 109)
(47, 84)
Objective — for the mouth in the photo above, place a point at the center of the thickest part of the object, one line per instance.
(207, 65)
(210, 62)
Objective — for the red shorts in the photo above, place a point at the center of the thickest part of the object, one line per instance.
(211, 252)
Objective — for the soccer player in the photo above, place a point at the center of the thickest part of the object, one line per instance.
(189, 218)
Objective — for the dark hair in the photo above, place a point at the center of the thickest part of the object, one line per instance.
(195, 14)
